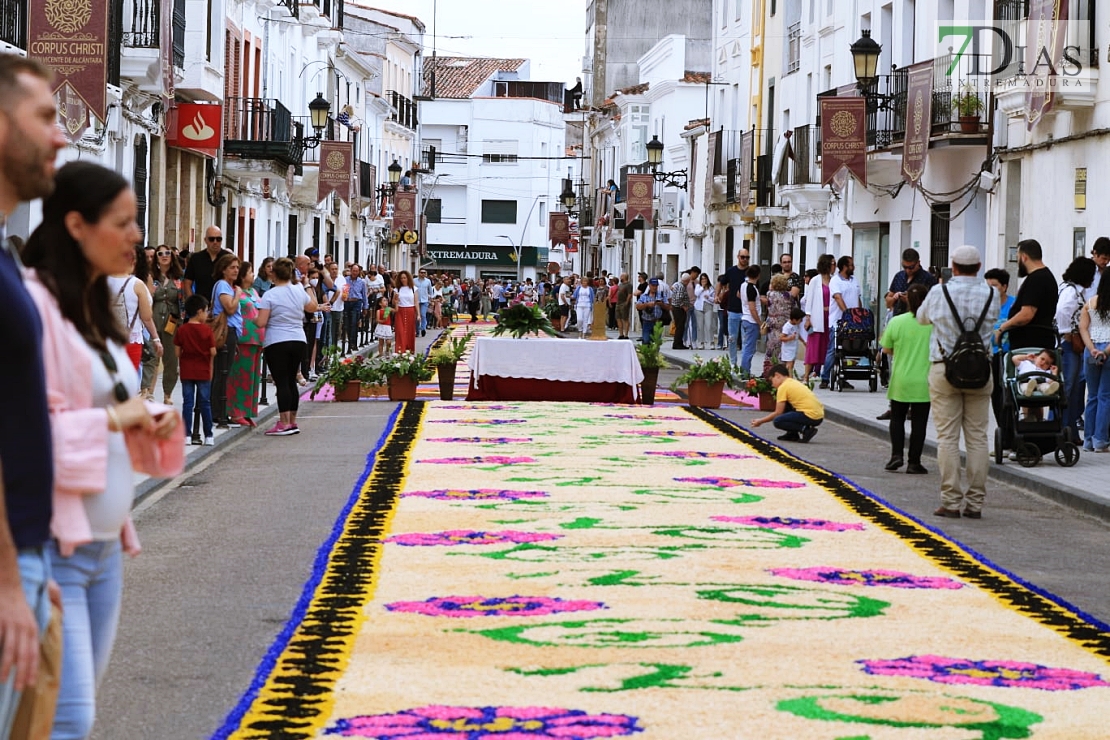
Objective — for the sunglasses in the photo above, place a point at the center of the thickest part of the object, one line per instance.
(214, 238)
(118, 390)
(744, 257)
(164, 254)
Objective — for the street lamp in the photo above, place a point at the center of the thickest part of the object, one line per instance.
(318, 111)
(516, 254)
(394, 174)
(865, 59)
(569, 199)
(677, 178)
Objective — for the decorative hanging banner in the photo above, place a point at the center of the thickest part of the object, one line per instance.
(558, 228)
(71, 38)
(165, 46)
(404, 210)
(639, 198)
(1044, 55)
(72, 112)
(843, 137)
(919, 122)
(744, 187)
(335, 170)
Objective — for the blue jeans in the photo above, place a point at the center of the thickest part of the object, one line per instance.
(1074, 385)
(92, 585)
(1096, 422)
(34, 574)
(691, 327)
(734, 321)
(827, 368)
(189, 390)
(750, 332)
(795, 421)
(422, 316)
(647, 326)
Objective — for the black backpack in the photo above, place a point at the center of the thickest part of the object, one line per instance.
(968, 365)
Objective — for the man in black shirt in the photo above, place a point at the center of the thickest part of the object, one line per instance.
(198, 273)
(29, 143)
(736, 276)
(1030, 319)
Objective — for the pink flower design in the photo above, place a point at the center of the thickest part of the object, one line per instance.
(478, 421)
(721, 482)
(474, 407)
(476, 494)
(640, 417)
(1008, 673)
(479, 460)
(483, 606)
(844, 577)
(697, 455)
(481, 440)
(455, 537)
(665, 433)
(786, 522)
(479, 723)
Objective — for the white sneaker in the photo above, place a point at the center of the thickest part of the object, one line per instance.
(1050, 388)
(209, 441)
(1029, 387)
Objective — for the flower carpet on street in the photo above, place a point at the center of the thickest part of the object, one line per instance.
(559, 571)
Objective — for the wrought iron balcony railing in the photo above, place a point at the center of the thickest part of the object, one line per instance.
(13, 22)
(262, 128)
(404, 110)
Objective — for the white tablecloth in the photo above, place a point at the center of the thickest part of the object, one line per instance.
(578, 360)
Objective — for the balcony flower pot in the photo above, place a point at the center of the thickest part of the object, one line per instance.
(648, 386)
(349, 391)
(446, 375)
(969, 124)
(402, 388)
(704, 394)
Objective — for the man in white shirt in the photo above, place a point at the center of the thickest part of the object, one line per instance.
(845, 293)
(423, 287)
(375, 286)
(564, 299)
(335, 318)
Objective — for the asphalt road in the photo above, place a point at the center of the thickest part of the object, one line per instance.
(228, 548)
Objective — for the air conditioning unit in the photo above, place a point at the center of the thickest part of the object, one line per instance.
(668, 208)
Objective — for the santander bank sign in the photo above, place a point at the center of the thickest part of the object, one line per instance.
(195, 126)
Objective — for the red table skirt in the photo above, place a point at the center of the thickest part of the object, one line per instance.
(495, 388)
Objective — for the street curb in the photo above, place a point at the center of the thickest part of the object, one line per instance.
(1073, 498)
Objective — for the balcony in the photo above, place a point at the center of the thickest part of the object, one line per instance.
(404, 110)
(552, 92)
(140, 41)
(801, 169)
(749, 157)
(13, 23)
(261, 137)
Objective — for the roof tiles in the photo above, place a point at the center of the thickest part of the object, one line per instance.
(460, 77)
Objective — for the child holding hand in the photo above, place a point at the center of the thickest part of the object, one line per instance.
(195, 346)
(791, 338)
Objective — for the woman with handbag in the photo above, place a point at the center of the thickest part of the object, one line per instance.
(132, 306)
(245, 377)
(225, 309)
(1069, 307)
(102, 429)
(166, 278)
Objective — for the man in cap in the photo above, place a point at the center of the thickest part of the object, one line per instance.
(960, 409)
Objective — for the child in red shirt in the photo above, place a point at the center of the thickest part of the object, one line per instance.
(384, 330)
(196, 347)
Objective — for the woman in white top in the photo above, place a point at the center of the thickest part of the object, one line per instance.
(705, 311)
(134, 307)
(1094, 327)
(1069, 305)
(583, 297)
(404, 321)
(88, 232)
(281, 311)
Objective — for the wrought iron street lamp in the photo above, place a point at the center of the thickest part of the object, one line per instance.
(655, 158)
(569, 199)
(318, 110)
(865, 58)
(394, 175)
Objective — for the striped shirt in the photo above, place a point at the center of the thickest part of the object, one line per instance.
(969, 294)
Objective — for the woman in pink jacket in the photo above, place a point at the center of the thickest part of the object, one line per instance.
(99, 423)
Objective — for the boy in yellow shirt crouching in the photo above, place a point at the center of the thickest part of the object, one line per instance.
(797, 412)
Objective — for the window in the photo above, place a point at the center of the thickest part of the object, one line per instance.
(433, 209)
(499, 211)
(499, 151)
(639, 116)
(794, 47)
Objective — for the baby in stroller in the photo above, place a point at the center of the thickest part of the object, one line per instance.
(1032, 378)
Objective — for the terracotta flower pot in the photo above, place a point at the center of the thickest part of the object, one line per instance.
(446, 375)
(402, 388)
(969, 124)
(767, 401)
(705, 395)
(349, 392)
(648, 386)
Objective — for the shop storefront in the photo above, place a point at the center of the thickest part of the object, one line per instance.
(474, 261)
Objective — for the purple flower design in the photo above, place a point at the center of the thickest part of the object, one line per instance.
(475, 494)
(479, 723)
(481, 440)
(888, 578)
(786, 522)
(455, 537)
(698, 455)
(640, 417)
(483, 606)
(490, 407)
(478, 421)
(479, 460)
(1008, 673)
(722, 482)
(665, 433)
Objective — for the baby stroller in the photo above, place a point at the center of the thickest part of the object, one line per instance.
(855, 355)
(1032, 422)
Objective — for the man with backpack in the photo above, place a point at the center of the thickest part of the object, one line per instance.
(962, 311)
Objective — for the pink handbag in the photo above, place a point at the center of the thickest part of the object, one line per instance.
(158, 458)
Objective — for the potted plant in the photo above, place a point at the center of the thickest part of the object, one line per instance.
(760, 387)
(651, 360)
(374, 380)
(705, 381)
(521, 321)
(968, 105)
(343, 375)
(445, 360)
(551, 310)
(404, 372)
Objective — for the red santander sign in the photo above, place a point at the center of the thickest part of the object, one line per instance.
(195, 126)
